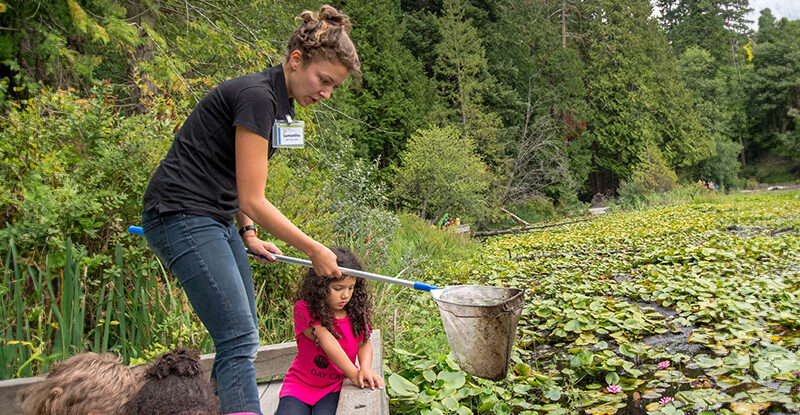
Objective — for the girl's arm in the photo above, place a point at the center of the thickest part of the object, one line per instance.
(251, 178)
(367, 376)
(334, 351)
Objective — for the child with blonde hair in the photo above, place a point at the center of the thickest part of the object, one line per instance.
(85, 384)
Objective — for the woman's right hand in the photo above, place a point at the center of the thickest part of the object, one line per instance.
(262, 249)
(324, 262)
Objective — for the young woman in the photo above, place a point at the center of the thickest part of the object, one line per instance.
(216, 170)
(332, 327)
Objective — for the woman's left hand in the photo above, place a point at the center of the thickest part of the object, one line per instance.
(262, 249)
(367, 377)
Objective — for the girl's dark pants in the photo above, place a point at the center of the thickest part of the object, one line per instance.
(289, 405)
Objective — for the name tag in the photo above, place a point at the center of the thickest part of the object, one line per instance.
(287, 134)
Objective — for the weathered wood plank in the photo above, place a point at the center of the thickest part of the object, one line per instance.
(356, 401)
(271, 360)
(9, 391)
(269, 398)
(275, 359)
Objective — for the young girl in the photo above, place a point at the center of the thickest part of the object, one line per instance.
(332, 327)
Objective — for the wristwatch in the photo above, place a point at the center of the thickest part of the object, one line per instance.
(244, 229)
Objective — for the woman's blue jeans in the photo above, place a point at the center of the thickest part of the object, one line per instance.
(210, 262)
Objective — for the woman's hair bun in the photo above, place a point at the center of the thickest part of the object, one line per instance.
(325, 34)
(327, 14)
(334, 15)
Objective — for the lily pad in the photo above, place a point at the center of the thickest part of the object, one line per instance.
(741, 408)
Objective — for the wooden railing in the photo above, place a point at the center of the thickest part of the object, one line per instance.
(271, 361)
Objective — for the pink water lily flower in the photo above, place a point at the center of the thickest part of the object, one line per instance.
(666, 400)
(663, 365)
(614, 389)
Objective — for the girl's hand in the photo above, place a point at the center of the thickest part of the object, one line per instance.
(324, 261)
(354, 379)
(262, 249)
(367, 376)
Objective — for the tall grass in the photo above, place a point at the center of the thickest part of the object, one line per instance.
(402, 313)
(48, 316)
(133, 308)
(691, 193)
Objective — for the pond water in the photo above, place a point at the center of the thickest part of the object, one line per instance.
(675, 341)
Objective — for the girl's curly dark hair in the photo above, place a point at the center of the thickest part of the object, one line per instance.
(313, 290)
(175, 385)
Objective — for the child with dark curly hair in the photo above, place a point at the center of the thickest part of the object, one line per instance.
(175, 385)
(332, 328)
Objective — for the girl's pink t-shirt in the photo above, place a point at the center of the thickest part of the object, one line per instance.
(312, 375)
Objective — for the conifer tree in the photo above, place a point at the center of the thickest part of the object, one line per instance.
(774, 87)
(394, 98)
(720, 27)
(635, 94)
(461, 69)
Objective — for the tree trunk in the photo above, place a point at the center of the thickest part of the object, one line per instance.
(564, 24)
(525, 229)
(515, 217)
(139, 13)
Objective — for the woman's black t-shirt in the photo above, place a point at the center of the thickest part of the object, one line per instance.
(198, 175)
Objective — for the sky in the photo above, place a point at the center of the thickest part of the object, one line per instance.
(789, 9)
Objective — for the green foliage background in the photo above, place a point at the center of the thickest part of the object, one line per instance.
(91, 92)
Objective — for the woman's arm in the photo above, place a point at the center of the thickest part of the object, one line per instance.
(251, 178)
(334, 351)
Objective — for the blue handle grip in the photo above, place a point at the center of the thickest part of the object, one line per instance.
(424, 287)
(136, 230)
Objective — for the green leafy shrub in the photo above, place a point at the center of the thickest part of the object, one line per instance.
(441, 172)
(358, 208)
(75, 168)
(651, 175)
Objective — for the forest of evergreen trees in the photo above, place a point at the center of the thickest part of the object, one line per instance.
(463, 105)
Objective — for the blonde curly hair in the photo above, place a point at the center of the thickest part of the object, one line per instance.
(87, 383)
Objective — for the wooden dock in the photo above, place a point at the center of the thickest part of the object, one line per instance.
(272, 362)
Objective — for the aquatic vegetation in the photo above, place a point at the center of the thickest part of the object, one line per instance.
(689, 309)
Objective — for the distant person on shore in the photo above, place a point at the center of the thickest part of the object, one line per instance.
(216, 171)
(332, 328)
(86, 384)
